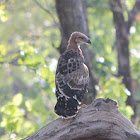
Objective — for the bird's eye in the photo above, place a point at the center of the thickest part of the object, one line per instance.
(82, 38)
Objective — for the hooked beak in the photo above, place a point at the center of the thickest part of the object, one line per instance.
(89, 41)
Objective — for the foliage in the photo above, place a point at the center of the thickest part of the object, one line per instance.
(29, 39)
(105, 63)
(27, 65)
(20, 116)
(114, 89)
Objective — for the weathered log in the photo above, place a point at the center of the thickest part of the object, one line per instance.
(101, 120)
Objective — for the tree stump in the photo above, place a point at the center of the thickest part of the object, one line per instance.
(101, 120)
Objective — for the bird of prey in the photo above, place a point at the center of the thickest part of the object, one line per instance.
(72, 77)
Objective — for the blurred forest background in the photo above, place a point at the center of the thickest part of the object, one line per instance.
(34, 33)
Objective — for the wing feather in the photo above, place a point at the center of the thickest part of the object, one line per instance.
(77, 79)
(71, 76)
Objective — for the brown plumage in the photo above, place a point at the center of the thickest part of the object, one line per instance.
(72, 77)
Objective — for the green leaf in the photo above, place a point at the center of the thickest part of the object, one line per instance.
(45, 72)
(2, 49)
(17, 100)
(28, 105)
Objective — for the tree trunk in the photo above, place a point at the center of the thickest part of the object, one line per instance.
(73, 17)
(99, 121)
(122, 42)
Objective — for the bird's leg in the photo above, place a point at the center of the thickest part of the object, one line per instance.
(83, 106)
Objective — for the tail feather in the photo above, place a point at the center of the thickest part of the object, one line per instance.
(66, 107)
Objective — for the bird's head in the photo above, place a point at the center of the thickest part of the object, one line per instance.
(79, 38)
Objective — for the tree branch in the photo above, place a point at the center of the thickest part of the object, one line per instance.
(132, 14)
(122, 44)
(99, 121)
(47, 11)
(117, 10)
(14, 63)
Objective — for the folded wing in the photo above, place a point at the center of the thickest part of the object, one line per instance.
(72, 77)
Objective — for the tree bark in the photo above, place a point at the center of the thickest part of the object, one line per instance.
(99, 121)
(122, 42)
(73, 17)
